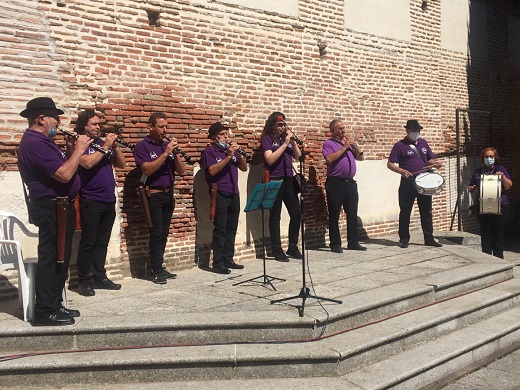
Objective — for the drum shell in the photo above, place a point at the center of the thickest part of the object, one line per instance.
(490, 197)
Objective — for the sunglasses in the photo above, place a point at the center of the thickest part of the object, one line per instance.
(281, 124)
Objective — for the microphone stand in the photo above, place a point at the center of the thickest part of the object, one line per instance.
(305, 291)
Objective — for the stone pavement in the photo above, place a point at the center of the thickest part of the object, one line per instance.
(197, 293)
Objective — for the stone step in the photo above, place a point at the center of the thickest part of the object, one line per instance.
(232, 327)
(456, 326)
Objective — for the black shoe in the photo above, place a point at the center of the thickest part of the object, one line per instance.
(356, 247)
(403, 244)
(221, 269)
(159, 278)
(336, 249)
(432, 242)
(106, 284)
(169, 275)
(55, 319)
(231, 264)
(294, 253)
(69, 312)
(86, 290)
(281, 256)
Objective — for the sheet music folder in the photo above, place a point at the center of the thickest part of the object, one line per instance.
(263, 196)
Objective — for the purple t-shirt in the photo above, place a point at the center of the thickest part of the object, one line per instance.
(227, 178)
(147, 150)
(406, 157)
(475, 178)
(98, 182)
(38, 159)
(345, 166)
(282, 166)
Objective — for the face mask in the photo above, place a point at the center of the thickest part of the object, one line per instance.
(222, 145)
(489, 161)
(414, 135)
(52, 132)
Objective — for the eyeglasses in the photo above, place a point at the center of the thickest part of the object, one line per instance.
(281, 124)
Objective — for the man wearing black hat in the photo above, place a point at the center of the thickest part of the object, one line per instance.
(409, 157)
(221, 161)
(48, 174)
(159, 159)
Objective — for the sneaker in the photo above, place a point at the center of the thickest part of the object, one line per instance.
(336, 249)
(294, 252)
(86, 290)
(356, 247)
(105, 284)
(281, 256)
(432, 242)
(159, 278)
(169, 275)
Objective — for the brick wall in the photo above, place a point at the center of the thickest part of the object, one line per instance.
(212, 59)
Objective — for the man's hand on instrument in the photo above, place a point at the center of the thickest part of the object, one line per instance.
(83, 142)
(232, 148)
(472, 188)
(110, 140)
(172, 145)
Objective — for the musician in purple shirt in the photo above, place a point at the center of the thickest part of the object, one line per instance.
(280, 149)
(491, 225)
(340, 155)
(159, 159)
(410, 157)
(97, 204)
(49, 174)
(221, 163)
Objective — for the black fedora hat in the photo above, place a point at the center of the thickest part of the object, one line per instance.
(413, 124)
(216, 128)
(41, 104)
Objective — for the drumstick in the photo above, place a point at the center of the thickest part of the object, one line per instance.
(427, 167)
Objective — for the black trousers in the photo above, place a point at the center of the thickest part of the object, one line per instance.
(407, 196)
(97, 219)
(492, 233)
(288, 196)
(225, 228)
(50, 275)
(342, 193)
(161, 210)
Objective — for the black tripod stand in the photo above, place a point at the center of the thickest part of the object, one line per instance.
(263, 198)
(304, 292)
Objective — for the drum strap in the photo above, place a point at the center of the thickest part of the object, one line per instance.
(417, 153)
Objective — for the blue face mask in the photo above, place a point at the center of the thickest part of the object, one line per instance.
(222, 145)
(489, 161)
(52, 132)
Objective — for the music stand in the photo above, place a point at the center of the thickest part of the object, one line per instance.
(263, 198)
(304, 292)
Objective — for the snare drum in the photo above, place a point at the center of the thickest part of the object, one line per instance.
(490, 194)
(429, 183)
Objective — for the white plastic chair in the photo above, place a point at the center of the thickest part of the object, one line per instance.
(11, 258)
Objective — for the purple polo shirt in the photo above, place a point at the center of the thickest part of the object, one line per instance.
(147, 150)
(407, 159)
(282, 166)
(38, 159)
(98, 183)
(345, 166)
(227, 178)
(475, 178)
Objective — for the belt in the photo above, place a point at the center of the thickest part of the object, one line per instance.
(279, 177)
(156, 190)
(334, 178)
(47, 199)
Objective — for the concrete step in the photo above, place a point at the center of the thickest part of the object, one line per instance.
(430, 361)
(248, 326)
(456, 326)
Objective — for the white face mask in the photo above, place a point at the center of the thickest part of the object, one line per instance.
(489, 161)
(414, 135)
